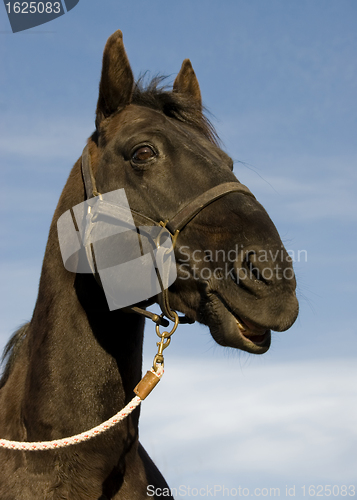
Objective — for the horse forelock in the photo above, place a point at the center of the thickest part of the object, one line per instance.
(159, 97)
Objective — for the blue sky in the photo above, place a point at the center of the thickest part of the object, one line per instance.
(279, 78)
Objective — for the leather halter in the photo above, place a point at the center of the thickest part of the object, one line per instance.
(174, 225)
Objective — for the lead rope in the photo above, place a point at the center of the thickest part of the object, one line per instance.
(142, 390)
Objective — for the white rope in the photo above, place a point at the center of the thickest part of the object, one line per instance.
(79, 438)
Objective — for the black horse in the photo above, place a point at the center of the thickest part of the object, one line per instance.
(75, 364)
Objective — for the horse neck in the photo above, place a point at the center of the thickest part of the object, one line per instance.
(84, 360)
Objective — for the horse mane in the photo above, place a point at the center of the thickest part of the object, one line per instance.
(10, 352)
(183, 108)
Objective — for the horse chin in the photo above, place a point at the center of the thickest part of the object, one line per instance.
(231, 331)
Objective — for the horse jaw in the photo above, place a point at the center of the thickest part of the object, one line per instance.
(229, 330)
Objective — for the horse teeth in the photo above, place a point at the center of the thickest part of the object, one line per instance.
(240, 326)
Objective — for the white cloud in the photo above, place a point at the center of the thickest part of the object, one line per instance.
(327, 198)
(43, 139)
(213, 420)
(302, 182)
(311, 189)
(19, 200)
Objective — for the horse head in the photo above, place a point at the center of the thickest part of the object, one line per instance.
(233, 272)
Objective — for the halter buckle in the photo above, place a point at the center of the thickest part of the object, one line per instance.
(164, 342)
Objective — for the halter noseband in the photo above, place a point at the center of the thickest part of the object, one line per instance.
(174, 225)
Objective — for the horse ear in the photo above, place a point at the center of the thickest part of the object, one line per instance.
(186, 82)
(117, 80)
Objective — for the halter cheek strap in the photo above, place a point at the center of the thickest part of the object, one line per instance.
(174, 225)
(88, 176)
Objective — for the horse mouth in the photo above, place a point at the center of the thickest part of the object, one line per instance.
(232, 329)
(256, 335)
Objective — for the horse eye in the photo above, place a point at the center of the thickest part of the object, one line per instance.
(143, 153)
